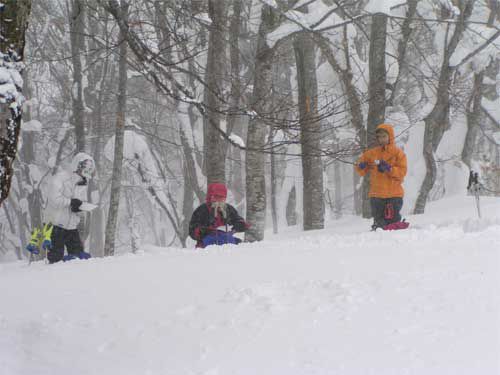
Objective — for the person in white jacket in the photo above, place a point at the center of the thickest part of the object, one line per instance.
(67, 191)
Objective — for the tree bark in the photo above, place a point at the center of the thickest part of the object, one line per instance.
(214, 148)
(337, 172)
(310, 133)
(30, 188)
(234, 120)
(109, 245)
(291, 208)
(397, 95)
(354, 101)
(274, 186)
(256, 136)
(234, 52)
(13, 24)
(473, 118)
(376, 91)
(77, 29)
(438, 119)
(96, 95)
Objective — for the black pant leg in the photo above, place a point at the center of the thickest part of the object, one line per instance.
(378, 211)
(56, 254)
(73, 242)
(397, 204)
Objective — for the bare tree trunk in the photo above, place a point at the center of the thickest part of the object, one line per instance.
(338, 189)
(357, 193)
(406, 30)
(12, 227)
(77, 29)
(235, 178)
(291, 208)
(494, 6)
(438, 119)
(96, 94)
(30, 188)
(234, 51)
(376, 91)
(310, 133)
(354, 101)
(109, 245)
(190, 186)
(187, 206)
(13, 24)
(274, 186)
(474, 107)
(214, 148)
(256, 136)
(473, 118)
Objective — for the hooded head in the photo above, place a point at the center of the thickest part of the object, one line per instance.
(388, 129)
(83, 164)
(216, 192)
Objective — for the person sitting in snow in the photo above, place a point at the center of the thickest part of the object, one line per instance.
(386, 165)
(214, 222)
(67, 192)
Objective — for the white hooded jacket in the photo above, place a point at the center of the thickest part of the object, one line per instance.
(66, 185)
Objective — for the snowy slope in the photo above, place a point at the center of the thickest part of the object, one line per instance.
(338, 301)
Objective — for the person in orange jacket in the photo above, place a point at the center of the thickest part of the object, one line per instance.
(386, 165)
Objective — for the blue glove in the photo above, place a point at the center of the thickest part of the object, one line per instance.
(47, 245)
(33, 245)
(383, 166)
(84, 255)
(69, 257)
(362, 165)
(47, 236)
(32, 249)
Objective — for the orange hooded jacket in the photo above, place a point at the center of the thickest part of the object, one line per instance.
(387, 184)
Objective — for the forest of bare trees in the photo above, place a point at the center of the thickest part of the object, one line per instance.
(277, 99)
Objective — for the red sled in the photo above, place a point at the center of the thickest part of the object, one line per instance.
(397, 225)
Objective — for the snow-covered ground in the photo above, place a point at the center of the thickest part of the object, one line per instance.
(338, 301)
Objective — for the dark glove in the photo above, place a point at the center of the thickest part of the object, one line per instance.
(75, 205)
(383, 166)
(362, 165)
(200, 232)
(82, 182)
(240, 226)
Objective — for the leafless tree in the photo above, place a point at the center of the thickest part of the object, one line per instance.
(13, 24)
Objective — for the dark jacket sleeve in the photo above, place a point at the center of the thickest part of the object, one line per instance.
(239, 225)
(198, 220)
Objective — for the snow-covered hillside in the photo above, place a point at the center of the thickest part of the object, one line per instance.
(338, 301)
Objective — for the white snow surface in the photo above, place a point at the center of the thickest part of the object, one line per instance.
(338, 301)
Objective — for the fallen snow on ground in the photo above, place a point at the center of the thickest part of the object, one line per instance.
(337, 301)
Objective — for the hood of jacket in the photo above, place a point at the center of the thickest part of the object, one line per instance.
(80, 157)
(390, 130)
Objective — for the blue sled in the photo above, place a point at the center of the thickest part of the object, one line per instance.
(220, 238)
